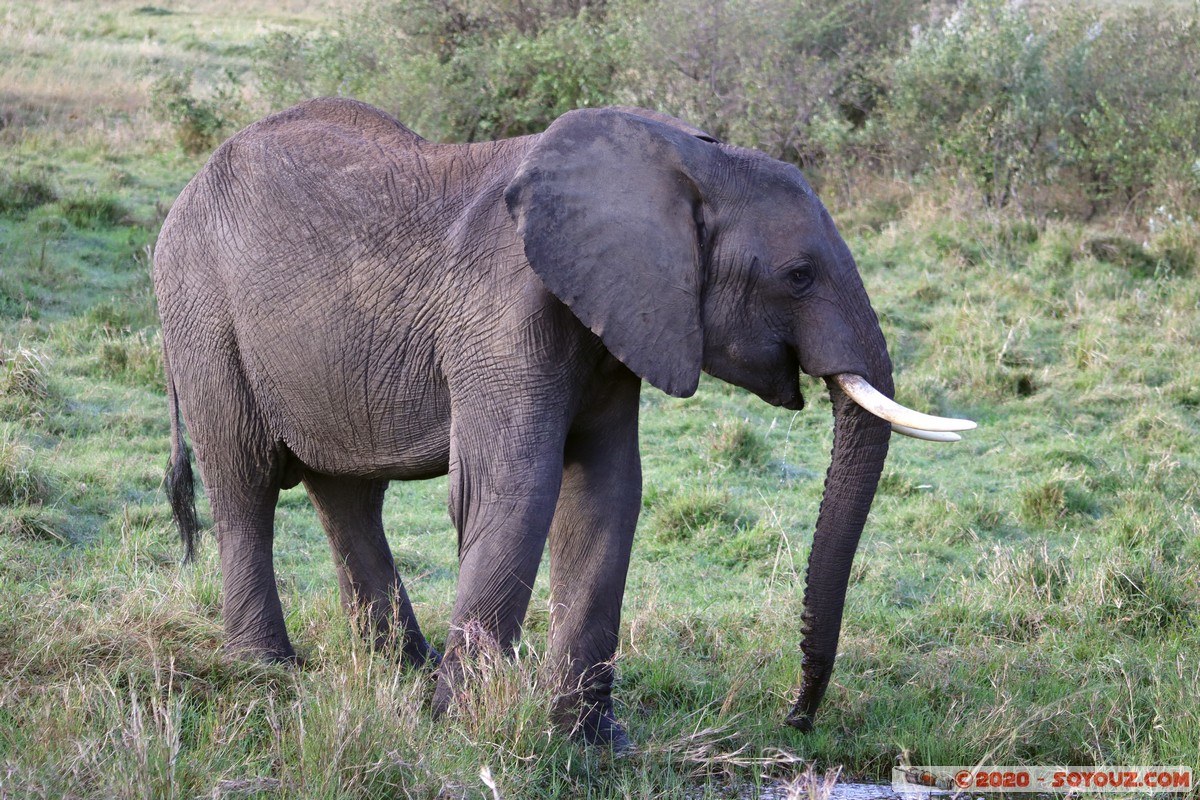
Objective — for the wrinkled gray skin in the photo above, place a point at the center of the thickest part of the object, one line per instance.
(345, 304)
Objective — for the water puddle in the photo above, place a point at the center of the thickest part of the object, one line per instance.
(839, 791)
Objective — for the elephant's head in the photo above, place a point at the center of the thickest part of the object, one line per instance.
(684, 254)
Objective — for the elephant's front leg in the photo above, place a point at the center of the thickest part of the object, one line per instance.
(503, 488)
(590, 542)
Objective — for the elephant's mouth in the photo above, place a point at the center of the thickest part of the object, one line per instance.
(790, 398)
(904, 420)
(785, 388)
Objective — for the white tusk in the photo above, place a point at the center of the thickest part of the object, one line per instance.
(929, 436)
(870, 398)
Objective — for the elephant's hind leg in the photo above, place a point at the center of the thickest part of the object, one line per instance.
(242, 468)
(351, 511)
(251, 608)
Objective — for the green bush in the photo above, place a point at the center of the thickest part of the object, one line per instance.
(1015, 99)
(532, 80)
(25, 388)
(972, 94)
(454, 72)
(93, 210)
(20, 193)
(1081, 109)
(738, 444)
(1131, 102)
(791, 79)
(199, 123)
(133, 358)
(293, 67)
(1175, 239)
(695, 514)
(23, 478)
(34, 522)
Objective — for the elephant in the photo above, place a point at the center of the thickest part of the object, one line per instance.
(344, 304)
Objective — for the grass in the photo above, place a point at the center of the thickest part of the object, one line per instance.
(1026, 596)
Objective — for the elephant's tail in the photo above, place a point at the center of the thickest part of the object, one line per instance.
(181, 489)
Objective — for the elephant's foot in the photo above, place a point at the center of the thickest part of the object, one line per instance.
(449, 676)
(410, 649)
(592, 722)
(800, 721)
(416, 652)
(600, 728)
(441, 699)
(428, 659)
(273, 652)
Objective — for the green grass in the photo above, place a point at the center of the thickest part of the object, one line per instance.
(1026, 596)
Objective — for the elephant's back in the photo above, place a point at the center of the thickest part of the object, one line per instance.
(341, 112)
(298, 247)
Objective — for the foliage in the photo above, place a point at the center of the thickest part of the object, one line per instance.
(453, 71)
(1018, 100)
(93, 210)
(24, 377)
(790, 79)
(1062, 108)
(200, 123)
(20, 193)
(1131, 96)
(693, 515)
(972, 93)
(23, 478)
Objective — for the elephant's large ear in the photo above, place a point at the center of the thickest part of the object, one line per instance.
(610, 213)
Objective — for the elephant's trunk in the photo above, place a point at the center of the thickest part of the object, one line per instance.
(860, 446)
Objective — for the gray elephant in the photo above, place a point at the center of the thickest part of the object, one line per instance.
(344, 304)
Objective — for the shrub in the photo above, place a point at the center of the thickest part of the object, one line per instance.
(33, 522)
(23, 479)
(25, 388)
(532, 80)
(1175, 241)
(1074, 109)
(293, 67)
(200, 123)
(1141, 594)
(93, 210)
(738, 444)
(1046, 504)
(23, 373)
(1130, 87)
(454, 72)
(791, 79)
(1015, 99)
(1122, 252)
(972, 94)
(743, 547)
(696, 514)
(133, 358)
(20, 193)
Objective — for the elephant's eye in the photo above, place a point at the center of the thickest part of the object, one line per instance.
(800, 277)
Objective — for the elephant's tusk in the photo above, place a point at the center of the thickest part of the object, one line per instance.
(862, 392)
(929, 436)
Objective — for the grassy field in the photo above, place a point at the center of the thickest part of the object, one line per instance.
(1029, 596)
